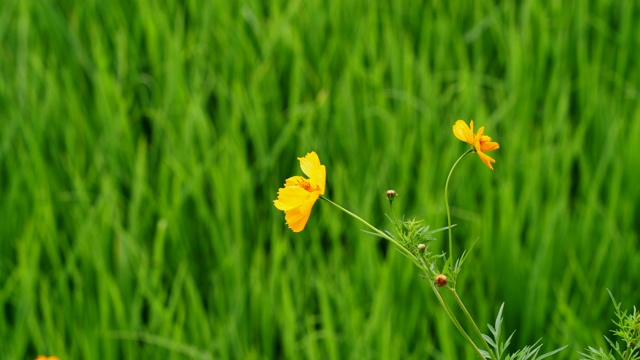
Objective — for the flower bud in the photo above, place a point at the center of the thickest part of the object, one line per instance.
(391, 195)
(422, 247)
(441, 280)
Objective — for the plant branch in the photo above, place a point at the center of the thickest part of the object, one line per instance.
(446, 203)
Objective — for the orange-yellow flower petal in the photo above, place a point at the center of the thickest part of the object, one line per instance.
(486, 159)
(297, 181)
(477, 138)
(292, 197)
(317, 173)
(487, 145)
(297, 217)
(463, 132)
(481, 142)
(299, 194)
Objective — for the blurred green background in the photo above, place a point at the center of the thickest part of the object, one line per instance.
(142, 144)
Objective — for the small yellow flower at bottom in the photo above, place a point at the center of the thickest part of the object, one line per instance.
(299, 194)
(42, 357)
(480, 142)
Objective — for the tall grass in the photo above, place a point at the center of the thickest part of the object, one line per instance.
(142, 144)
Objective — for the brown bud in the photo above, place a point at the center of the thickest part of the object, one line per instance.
(391, 195)
(441, 280)
(422, 247)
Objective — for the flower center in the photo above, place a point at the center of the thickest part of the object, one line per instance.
(303, 183)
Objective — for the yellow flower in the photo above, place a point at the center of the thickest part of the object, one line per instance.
(480, 142)
(298, 195)
(42, 357)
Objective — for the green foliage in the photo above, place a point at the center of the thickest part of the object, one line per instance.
(500, 348)
(142, 144)
(627, 329)
(597, 354)
(411, 233)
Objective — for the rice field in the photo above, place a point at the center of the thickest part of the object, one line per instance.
(142, 145)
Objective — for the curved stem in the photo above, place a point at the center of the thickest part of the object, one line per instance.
(420, 263)
(455, 321)
(446, 203)
(376, 230)
(475, 326)
(451, 315)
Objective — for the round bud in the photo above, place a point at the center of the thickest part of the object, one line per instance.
(422, 247)
(391, 195)
(441, 280)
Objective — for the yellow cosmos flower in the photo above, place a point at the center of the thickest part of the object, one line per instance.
(480, 142)
(298, 195)
(42, 357)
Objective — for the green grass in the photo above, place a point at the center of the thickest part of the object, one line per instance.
(142, 144)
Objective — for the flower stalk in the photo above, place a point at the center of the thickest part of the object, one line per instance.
(470, 318)
(446, 204)
(384, 235)
(299, 194)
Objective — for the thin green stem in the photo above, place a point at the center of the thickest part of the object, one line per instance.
(475, 326)
(455, 320)
(376, 230)
(446, 203)
(451, 315)
(420, 263)
(393, 214)
(394, 219)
